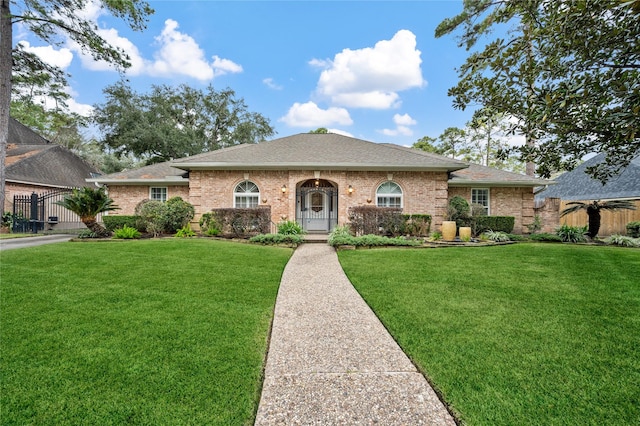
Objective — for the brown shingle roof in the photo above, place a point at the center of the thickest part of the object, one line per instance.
(160, 172)
(476, 174)
(308, 151)
(34, 160)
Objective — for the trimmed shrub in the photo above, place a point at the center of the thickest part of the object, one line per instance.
(177, 215)
(572, 234)
(152, 216)
(270, 239)
(493, 223)
(111, 223)
(341, 236)
(633, 229)
(459, 211)
(126, 233)
(243, 223)
(376, 220)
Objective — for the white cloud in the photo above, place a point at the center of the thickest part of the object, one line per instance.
(310, 115)
(340, 132)
(371, 77)
(402, 122)
(60, 58)
(271, 84)
(138, 63)
(320, 63)
(224, 66)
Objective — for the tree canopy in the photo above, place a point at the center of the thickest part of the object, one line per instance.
(54, 21)
(567, 72)
(175, 122)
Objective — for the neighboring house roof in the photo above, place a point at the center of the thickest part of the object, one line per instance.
(310, 151)
(578, 185)
(33, 160)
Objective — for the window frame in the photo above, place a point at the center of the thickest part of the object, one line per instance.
(251, 199)
(165, 191)
(487, 207)
(387, 196)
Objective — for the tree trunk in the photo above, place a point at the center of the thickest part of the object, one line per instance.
(6, 35)
(594, 221)
(95, 227)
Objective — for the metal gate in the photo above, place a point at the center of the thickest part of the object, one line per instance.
(317, 208)
(32, 212)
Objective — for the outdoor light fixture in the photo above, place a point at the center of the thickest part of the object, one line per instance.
(350, 189)
(317, 183)
(284, 188)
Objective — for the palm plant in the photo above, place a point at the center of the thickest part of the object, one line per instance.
(593, 210)
(88, 203)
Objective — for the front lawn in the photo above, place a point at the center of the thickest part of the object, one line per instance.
(518, 334)
(141, 332)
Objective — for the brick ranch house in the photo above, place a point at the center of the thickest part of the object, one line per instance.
(315, 178)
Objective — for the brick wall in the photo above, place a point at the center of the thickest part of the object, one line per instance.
(423, 192)
(127, 197)
(516, 202)
(12, 189)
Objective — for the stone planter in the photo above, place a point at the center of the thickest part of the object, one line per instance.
(465, 233)
(448, 230)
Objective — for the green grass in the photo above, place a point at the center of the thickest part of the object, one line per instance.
(138, 332)
(518, 334)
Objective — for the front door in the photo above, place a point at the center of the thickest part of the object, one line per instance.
(317, 208)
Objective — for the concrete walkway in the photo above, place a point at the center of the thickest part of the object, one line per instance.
(14, 243)
(330, 359)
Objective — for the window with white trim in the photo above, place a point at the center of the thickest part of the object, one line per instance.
(389, 194)
(246, 195)
(481, 196)
(158, 193)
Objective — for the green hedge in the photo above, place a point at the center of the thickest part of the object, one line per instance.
(633, 229)
(494, 223)
(116, 222)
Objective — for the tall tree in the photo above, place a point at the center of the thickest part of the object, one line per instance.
(172, 122)
(53, 21)
(490, 140)
(567, 71)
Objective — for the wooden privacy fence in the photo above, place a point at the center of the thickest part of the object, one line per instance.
(612, 222)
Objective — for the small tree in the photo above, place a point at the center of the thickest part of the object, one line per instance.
(593, 210)
(88, 203)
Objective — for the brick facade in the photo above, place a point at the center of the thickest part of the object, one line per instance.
(423, 193)
(505, 201)
(127, 197)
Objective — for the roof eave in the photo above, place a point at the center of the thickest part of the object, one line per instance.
(150, 181)
(314, 166)
(499, 183)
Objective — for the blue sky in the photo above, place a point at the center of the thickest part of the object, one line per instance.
(370, 69)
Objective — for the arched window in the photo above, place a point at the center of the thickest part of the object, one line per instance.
(246, 195)
(389, 194)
